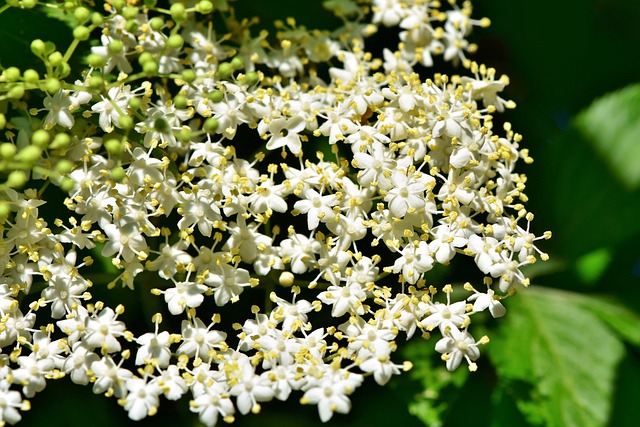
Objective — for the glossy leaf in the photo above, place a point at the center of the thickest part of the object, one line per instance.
(566, 354)
(611, 124)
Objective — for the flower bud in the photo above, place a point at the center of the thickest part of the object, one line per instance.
(41, 138)
(204, 7)
(115, 47)
(210, 125)
(81, 33)
(12, 74)
(29, 154)
(180, 101)
(156, 23)
(96, 82)
(61, 140)
(118, 174)
(17, 179)
(225, 70)
(63, 167)
(237, 63)
(30, 76)
(7, 150)
(38, 47)
(175, 41)
(130, 12)
(150, 67)
(125, 122)
(216, 96)
(134, 103)
(82, 14)
(178, 12)
(53, 85)
(189, 75)
(15, 92)
(5, 209)
(3, 121)
(252, 78)
(113, 146)
(55, 58)
(96, 61)
(96, 18)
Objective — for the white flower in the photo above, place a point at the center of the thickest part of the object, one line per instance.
(459, 345)
(59, 112)
(142, 398)
(284, 133)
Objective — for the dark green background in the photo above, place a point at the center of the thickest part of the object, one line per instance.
(560, 56)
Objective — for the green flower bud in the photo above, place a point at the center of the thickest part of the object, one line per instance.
(17, 179)
(15, 92)
(150, 67)
(30, 76)
(216, 96)
(125, 122)
(132, 26)
(252, 78)
(55, 58)
(134, 103)
(145, 57)
(64, 69)
(53, 85)
(237, 63)
(5, 209)
(210, 125)
(82, 14)
(118, 4)
(29, 4)
(7, 150)
(184, 135)
(189, 75)
(180, 101)
(118, 174)
(130, 12)
(204, 7)
(3, 121)
(67, 184)
(96, 61)
(96, 82)
(41, 138)
(114, 146)
(225, 70)
(61, 140)
(81, 33)
(175, 41)
(12, 74)
(38, 47)
(156, 23)
(63, 167)
(115, 47)
(29, 154)
(178, 12)
(69, 6)
(97, 18)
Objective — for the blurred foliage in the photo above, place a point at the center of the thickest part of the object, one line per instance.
(567, 356)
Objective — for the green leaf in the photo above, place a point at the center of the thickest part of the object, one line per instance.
(612, 125)
(579, 188)
(616, 316)
(439, 386)
(590, 267)
(567, 355)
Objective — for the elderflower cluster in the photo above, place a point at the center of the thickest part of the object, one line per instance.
(278, 200)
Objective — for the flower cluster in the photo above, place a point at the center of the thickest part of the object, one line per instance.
(213, 167)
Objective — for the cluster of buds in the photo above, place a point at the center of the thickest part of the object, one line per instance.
(280, 199)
